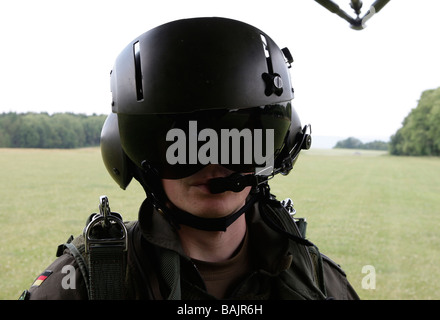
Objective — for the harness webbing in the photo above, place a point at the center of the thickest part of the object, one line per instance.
(105, 241)
(107, 272)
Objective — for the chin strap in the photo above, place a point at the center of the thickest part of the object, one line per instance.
(209, 224)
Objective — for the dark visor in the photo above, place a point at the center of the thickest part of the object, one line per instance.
(179, 145)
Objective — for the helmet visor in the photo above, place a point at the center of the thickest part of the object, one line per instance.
(179, 145)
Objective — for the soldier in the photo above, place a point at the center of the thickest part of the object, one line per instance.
(202, 118)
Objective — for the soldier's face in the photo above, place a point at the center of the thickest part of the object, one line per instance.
(192, 194)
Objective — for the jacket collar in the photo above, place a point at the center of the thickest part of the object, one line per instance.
(269, 249)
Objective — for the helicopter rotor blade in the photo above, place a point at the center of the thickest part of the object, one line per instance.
(358, 23)
(379, 4)
(334, 8)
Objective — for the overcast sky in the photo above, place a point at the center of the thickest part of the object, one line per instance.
(56, 55)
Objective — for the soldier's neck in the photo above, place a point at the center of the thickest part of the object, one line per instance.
(213, 246)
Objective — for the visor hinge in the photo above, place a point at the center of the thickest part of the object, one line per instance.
(274, 83)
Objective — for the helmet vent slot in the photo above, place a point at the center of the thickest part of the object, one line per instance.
(267, 54)
(138, 71)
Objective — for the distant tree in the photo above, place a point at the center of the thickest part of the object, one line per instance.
(354, 143)
(92, 129)
(376, 145)
(420, 131)
(41, 130)
(349, 143)
(5, 139)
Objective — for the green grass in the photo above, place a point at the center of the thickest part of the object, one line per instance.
(368, 208)
(363, 208)
(47, 195)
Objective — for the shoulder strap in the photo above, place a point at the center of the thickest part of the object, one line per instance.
(105, 242)
(81, 263)
(76, 248)
(101, 254)
(295, 229)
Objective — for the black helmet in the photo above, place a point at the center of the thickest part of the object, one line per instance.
(215, 72)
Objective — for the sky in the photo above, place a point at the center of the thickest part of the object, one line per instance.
(56, 55)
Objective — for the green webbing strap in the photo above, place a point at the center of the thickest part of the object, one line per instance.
(107, 272)
(170, 270)
(105, 240)
(81, 264)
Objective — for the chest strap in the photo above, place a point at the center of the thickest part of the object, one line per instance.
(105, 240)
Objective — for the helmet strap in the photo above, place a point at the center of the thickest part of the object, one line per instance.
(208, 224)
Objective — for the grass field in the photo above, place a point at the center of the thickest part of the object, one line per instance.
(363, 208)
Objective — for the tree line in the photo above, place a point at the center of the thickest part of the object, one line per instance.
(420, 131)
(419, 134)
(354, 143)
(41, 130)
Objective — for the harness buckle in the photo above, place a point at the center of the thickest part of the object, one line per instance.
(106, 229)
(288, 205)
